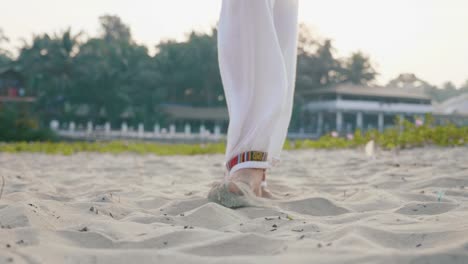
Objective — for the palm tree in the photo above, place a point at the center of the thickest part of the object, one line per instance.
(48, 64)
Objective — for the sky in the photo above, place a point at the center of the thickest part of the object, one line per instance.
(425, 37)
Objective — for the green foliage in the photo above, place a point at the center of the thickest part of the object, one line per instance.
(19, 126)
(404, 135)
(437, 94)
(358, 69)
(111, 78)
(47, 65)
(5, 55)
(319, 67)
(4, 60)
(114, 147)
(447, 91)
(189, 71)
(113, 29)
(409, 136)
(426, 134)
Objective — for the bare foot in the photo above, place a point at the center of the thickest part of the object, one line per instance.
(241, 185)
(267, 194)
(252, 177)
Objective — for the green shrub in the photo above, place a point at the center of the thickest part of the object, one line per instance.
(19, 126)
(408, 136)
(404, 134)
(115, 147)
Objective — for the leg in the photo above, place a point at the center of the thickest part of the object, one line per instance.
(285, 15)
(254, 77)
(258, 82)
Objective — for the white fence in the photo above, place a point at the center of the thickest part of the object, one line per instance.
(367, 106)
(105, 132)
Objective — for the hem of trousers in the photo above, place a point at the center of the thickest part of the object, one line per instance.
(250, 164)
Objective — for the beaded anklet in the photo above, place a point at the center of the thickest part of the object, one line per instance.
(248, 156)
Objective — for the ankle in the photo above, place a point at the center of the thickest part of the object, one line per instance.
(251, 176)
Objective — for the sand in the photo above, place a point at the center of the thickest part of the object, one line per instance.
(336, 207)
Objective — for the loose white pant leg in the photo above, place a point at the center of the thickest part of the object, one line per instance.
(285, 16)
(256, 77)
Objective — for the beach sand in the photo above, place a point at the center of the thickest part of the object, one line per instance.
(336, 206)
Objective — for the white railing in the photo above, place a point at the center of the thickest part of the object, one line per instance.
(105, 132)
(356, 105)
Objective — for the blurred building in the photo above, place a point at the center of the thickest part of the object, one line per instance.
(347, 107)
(453, 110)
(455, 105)
(12, 88)
(209, 117)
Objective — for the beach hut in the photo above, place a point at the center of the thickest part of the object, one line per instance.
(346, 107)
(12, 88)
(208, 117)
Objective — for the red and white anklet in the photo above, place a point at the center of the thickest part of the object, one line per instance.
(248, 156)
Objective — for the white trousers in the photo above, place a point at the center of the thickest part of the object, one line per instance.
(257, 50)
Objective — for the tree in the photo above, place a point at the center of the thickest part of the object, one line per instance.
(409, 81)
(308, 43)
(47, 64)
(113, 29)
(438, 94)
(107, 75)
(114, 75)
(189, 71)
(464, 88)
(5, 55)
(330, 66)
(317, 66)
(447, 91)
(358, 69)
(110, 75)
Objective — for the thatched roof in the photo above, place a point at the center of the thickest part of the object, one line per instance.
(375, 91)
